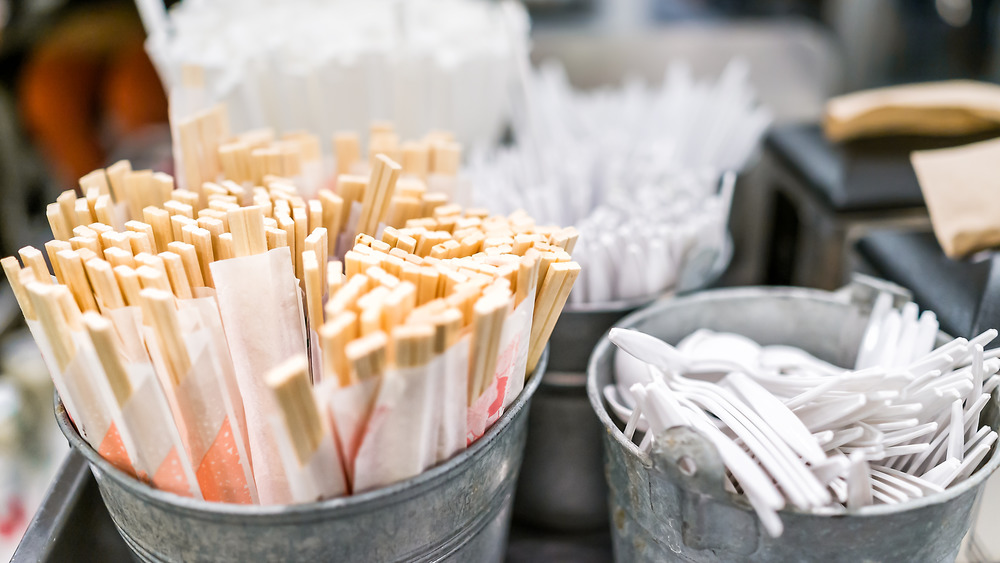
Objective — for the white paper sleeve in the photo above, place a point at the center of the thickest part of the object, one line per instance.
(260, 309)
(393, 445)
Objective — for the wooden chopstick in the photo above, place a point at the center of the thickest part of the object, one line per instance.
(293, 390)
(160, 307)
(314, 289)
(562, 276)
(13, 270)
(367, 355)
(46, 303)
(102, 334)
(102, 280)
(413, 345)
(71, 265)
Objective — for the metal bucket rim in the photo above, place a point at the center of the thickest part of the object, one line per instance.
(605, 346)
(344, 506)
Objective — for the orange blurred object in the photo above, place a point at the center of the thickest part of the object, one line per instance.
(87, 84)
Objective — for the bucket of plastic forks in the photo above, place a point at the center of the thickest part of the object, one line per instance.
(562, 485)
(670, 504)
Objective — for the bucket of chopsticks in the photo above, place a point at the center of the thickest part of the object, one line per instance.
(457, 511)
(699, 468)
(282, 365)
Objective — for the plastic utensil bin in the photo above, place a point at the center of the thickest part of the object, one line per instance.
(659, 513)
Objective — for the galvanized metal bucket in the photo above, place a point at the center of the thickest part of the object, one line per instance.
(562, 486)
(458, 511)
(661, 513)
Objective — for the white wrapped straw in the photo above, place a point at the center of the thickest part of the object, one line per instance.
(638, 169)
(328, 66)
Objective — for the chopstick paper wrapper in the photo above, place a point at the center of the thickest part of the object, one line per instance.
(76, 370)
(960, 186)
(260, 306)
(349, 409)
(95, 421)
(128, 326)
(160, 452)
(207, 310)
(454, 390)
(508, 375)
(308, 452)
(203, 410)
(398, 441)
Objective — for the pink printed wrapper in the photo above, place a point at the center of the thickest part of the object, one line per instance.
(396, 444)
(349, 409)
(508, 377)
(206, 307)
(84, 380)
(203, 414)
(321, 476)
(454, 384)
(260, 307)
(215, 444)
(161, 457)
(85, 395)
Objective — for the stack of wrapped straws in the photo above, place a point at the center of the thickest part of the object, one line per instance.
(641, 171)
(330, 65)
(207, 341)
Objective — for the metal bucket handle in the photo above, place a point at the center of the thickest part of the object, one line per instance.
(686, 460)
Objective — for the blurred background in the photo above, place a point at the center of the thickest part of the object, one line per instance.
(77, 92)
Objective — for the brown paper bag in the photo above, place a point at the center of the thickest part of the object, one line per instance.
(952, 107)
(962, 190)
